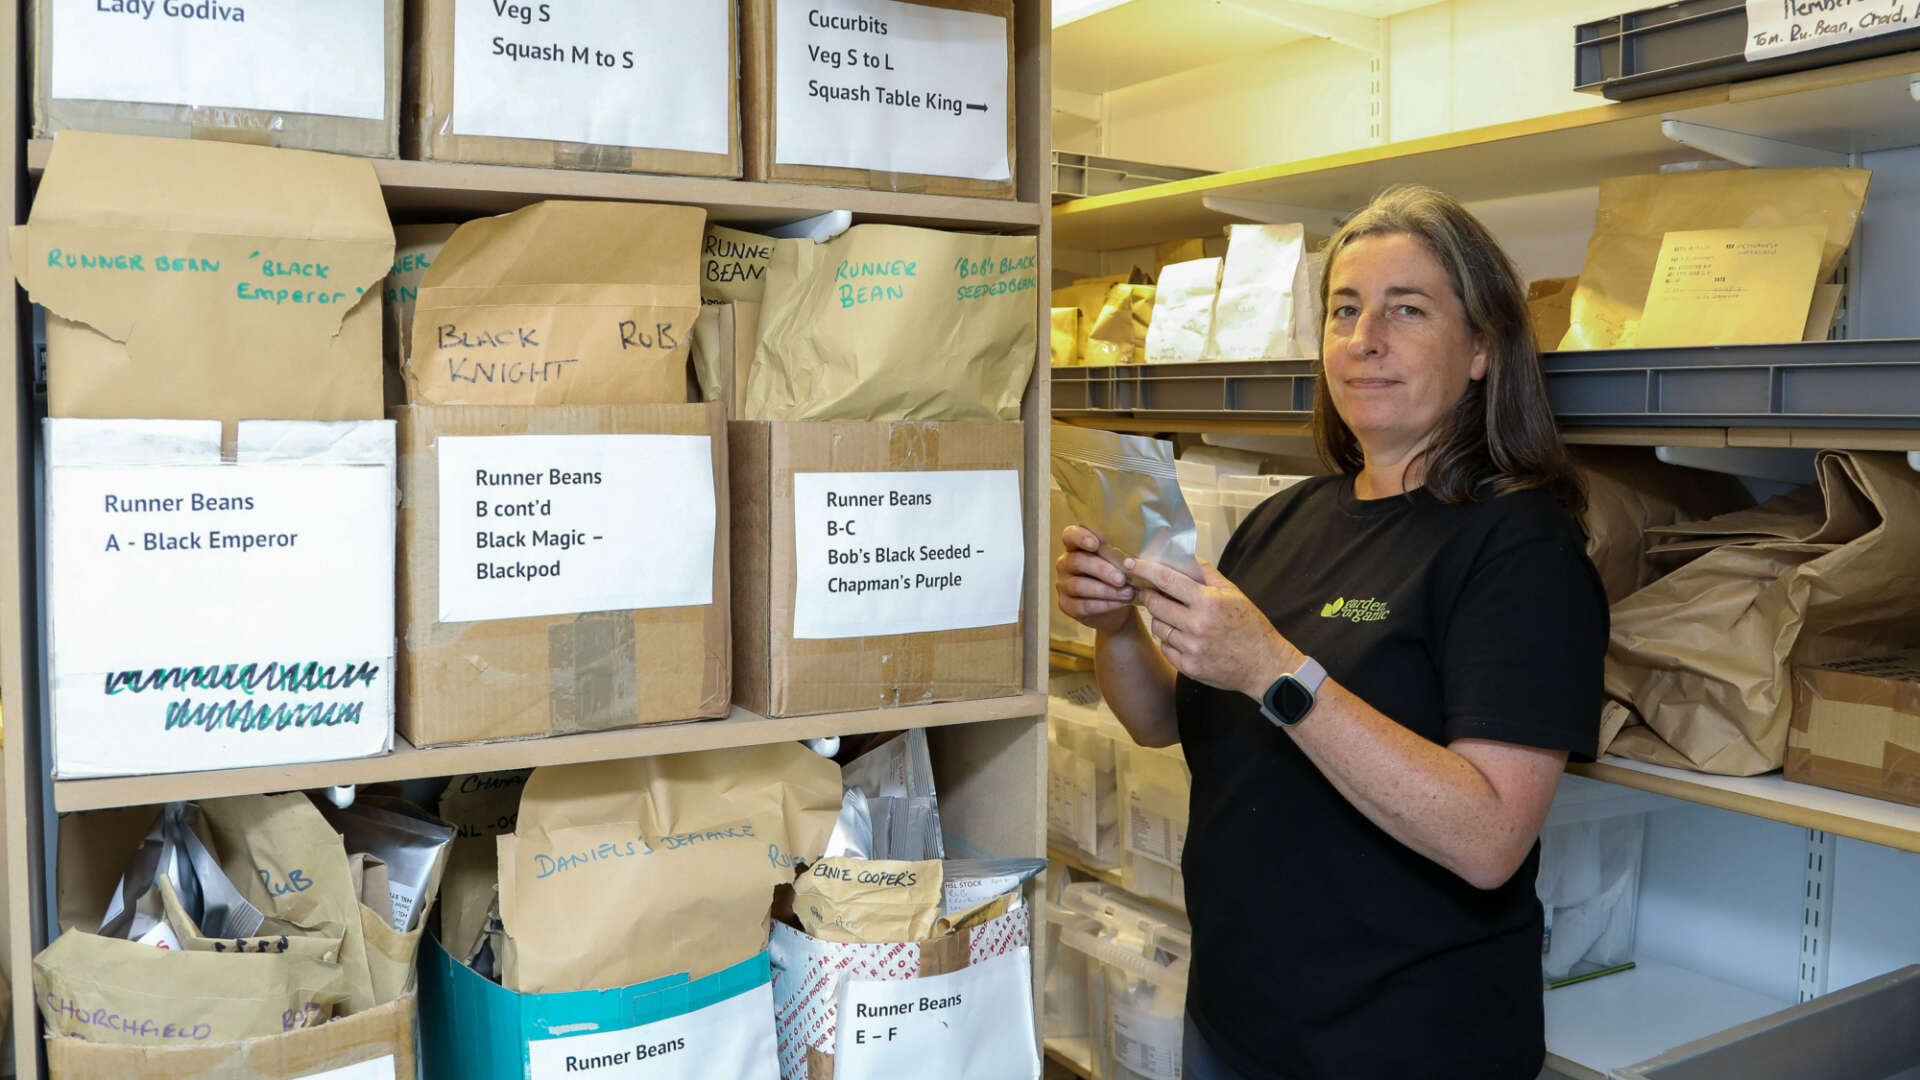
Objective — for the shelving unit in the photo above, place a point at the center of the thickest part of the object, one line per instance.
(1073, 1054)
(1856, 394)
(989, 756)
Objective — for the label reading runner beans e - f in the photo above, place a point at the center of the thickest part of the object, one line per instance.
(562, 524)
(905, 552)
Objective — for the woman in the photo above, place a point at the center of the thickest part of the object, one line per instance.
(1379, 687)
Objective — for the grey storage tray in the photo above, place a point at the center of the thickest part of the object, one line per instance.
(1865, 1032)
(1080, 176)
(1679, 46)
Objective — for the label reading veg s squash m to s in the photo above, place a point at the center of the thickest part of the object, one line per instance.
(327, 59)
(905, 552)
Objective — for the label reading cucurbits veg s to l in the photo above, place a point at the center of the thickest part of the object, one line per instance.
(733, 1038)
(561, 524)
(891, 87)
(905, 552)
(648, 73)
(327, 59)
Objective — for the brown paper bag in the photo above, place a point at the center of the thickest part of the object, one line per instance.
(414, 249)
(723, 342)
(869, 900)
(1088, 296)
(560, 303)
(480, 807)
(107, 990)
(1630, 493)
(1700, 660)
(1063, 347)
(1636, 213)
(187, 279)
(1119, 334)
(625, 871)
(193, 940)
(1550, 303)
(733, 265)
(887, 322)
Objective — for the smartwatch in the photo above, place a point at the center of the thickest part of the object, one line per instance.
(1289, 699)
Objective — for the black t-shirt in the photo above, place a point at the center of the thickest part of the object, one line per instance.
(1324, 949)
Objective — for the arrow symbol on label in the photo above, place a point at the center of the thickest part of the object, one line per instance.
(977, 108)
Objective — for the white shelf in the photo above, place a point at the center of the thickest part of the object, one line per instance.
(1774, 797)
(1073, 1053)
(1625, 1018)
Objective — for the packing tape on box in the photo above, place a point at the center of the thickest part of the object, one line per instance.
(593, 683)
(567, 155)
(233, 125)
(909, 183)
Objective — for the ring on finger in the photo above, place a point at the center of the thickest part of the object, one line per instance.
(1167, 638)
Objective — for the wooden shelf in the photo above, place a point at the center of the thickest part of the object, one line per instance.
(1625, 1018)
(1804, 438)
(1073, 862)
(441, 190)
(1773, 797)
(408, 762)
(1857, 107)
(1073, 1054)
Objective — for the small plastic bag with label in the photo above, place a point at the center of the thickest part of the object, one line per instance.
(897, 780)
(413, 844)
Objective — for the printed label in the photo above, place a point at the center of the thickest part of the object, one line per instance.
(219, 616)
(160, 936)
(971, 1024)
(562, 524)
(1155, 836)
(1060, 793)
(402, 897)
(377, 1069)
(1781, 27)
(733, 1038)
(329, 59)
(651, 73)
(1146, 1044)
(892, 87)
(905, 553)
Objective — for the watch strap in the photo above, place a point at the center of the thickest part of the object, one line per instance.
(1310, 675)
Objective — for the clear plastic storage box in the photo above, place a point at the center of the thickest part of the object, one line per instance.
(1131, 959)
(1084, 744)
(1156, 787)
(1589, 883)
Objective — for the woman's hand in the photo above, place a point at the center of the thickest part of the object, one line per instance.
(1091, 589)
(1211, 632)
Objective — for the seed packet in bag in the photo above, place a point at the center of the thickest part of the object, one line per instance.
(853, 831)
(869, 900)
(413, 847)
(1127, 489)
(173, 850)
(897, 779)
(968, 883)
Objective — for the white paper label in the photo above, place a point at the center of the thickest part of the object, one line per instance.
(160, 936)
(971, 1024)
(377, 1069)
(905, 553)
(1060, 793)
(651, 73)
(219, 616)
(1146, 1044)
(1780, 27)
(561, 524)
(892, 87)
(403, 898)
(329, 59)
(733, 1038)
(1155, 836)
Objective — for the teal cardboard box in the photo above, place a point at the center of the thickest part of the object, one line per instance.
(668, 1029)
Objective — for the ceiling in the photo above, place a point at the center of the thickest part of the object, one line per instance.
(1140, 40)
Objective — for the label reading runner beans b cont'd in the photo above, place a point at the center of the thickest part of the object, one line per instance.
(891, 87)
(561, 524)
(905, 552)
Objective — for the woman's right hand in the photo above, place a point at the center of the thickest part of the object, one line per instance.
(1092, 590)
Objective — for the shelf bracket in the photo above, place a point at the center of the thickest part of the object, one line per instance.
(1078, 103)
(1368, 35)
(1816, 914)
(1751, 150)
(1326, 222)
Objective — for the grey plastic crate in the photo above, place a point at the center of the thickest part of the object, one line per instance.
(1691, 43)
(1079, 176)
(1266, 388)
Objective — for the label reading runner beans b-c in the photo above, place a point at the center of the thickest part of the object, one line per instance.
(561, 524)
(905, 552)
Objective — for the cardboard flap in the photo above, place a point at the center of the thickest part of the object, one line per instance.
(202, 253)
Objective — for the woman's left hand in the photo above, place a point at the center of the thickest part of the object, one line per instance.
(1211, 632)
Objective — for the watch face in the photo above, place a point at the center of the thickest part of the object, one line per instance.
(1291, 700)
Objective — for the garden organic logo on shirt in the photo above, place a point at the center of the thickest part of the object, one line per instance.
(1355, 610)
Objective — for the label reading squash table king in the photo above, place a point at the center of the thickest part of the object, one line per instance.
(561, 524)
(905, 552)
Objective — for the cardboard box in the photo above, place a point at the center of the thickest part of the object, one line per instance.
(527, 652)
(196, 280)
(215, 615)
(916, 102)
(826, 614)
(305, 77)
(475, 1029)
(668, 102)
(1856, 726)
(377, 1044)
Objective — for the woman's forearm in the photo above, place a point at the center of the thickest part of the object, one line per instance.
(1137, 683)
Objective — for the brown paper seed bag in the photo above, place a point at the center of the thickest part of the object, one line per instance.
(193, 940)
(1636, 213)
(625, 871)
(886, 322)
(480, 807)
(1064, 346)
(733, 265)
(1119, 334)
(414, 249)
(1550, 304)
(560, 303)
(869, 900)
(106, 990)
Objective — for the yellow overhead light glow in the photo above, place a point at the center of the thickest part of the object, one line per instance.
(1066, 11)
